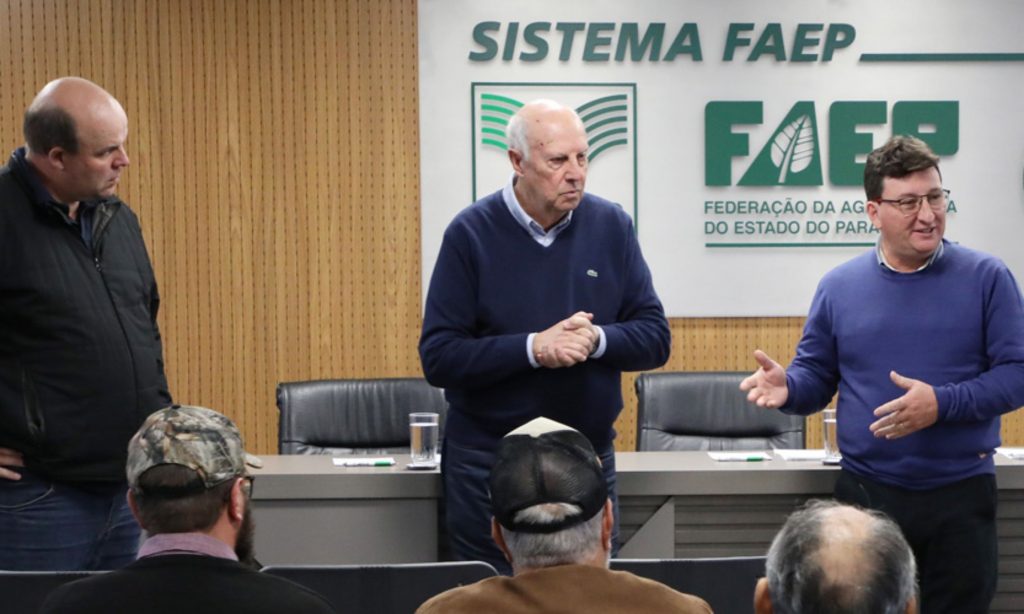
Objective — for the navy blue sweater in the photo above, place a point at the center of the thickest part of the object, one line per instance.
(493, 285)
(957, 325)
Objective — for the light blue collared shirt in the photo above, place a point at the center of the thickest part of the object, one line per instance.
(883, 262)
(544, 238)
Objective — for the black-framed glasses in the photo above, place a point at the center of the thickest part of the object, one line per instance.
(911, 203)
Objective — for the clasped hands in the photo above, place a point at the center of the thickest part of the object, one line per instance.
(915, 410)
(568, 342)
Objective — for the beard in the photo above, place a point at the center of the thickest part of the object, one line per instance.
(244, 548)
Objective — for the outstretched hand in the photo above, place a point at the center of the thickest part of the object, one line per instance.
(917, 409)
(767, 386)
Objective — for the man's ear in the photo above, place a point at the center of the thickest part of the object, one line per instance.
(238, 501)
(499, 539)
(56, 157)
(762, 598)
(607, 525)
(516, 158)
(912, 605)
(872, 209)
(134, 506)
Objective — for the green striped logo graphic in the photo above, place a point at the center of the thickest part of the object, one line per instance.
(609, 115)
(606, 120)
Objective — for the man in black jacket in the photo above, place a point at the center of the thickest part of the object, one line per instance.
(81, 363)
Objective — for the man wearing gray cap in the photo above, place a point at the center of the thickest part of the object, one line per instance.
(189, 489)
(553, 520)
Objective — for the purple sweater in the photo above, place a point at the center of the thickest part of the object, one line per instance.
(958, 325)
(493, 285)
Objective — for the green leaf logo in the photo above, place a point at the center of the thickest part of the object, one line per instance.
(791, 156)
(605, 119)
(793, 147)
(495, 111)
(606, 122)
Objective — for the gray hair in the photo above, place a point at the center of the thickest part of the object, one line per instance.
(882, 581)
(576, 544)
(515, 133)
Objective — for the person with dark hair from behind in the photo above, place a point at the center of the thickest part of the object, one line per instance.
(190, 491)
(553, 521)
(831, 558)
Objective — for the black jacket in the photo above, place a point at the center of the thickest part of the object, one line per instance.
(81, 363)
(192, 583)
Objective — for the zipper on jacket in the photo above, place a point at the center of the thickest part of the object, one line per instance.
(107, 212)
(34, 420)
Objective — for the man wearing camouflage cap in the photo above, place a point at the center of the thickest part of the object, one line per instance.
(553, 521)
(190, 490)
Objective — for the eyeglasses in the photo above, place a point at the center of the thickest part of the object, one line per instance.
(911, 204)
(250, 481)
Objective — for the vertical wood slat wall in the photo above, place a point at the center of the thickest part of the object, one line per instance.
(275, 170)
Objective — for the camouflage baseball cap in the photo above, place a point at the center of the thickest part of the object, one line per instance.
(194, 437)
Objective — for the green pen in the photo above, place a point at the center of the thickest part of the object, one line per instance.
(364, 462)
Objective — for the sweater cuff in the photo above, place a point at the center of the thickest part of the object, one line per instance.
(943, 398)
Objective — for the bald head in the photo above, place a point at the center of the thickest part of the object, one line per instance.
(528, 128)
(75, 134)
(837, 558)
(60, 108)
(841, 552)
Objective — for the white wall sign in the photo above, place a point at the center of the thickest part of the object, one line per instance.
(734, 134)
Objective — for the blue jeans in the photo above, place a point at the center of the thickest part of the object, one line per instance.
(55, 526)
(468, 505)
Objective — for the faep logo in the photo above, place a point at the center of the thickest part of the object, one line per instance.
(608, 112)
(793, 155)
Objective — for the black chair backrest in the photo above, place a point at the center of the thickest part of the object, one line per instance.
(368, 416)
(25, 591)
(706, 410)
(383, 589)
(727, 583)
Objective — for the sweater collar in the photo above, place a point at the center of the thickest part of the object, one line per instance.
(880, 255)
(536, 232)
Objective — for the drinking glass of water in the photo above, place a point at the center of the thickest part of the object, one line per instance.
(423, 438)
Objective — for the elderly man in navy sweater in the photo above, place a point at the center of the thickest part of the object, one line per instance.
(540, 298)
(925, 341)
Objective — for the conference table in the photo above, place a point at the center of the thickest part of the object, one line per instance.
(671, 505)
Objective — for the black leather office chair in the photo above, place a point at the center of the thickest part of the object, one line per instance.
(705, 410)
(727, 583)
(383, 589)
(25, 591)
(369, 416)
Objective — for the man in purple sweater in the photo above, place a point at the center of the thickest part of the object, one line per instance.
(925, 341)
(540, 298)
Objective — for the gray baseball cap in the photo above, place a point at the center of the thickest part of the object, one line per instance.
(195, 437)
